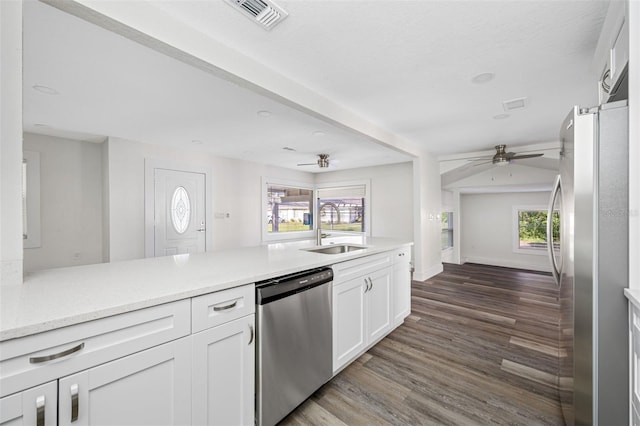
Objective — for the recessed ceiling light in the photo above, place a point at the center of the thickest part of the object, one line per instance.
(40, 125)
(45, 89)
(264, 113)
(501, 116)
(196, 142)
(318, 133)
(485, 77)
(288, 148)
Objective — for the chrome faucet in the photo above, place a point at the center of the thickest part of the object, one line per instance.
(320, 236)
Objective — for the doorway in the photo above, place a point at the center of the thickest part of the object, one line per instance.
(176, 209)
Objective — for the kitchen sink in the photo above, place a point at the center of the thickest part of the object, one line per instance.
(335, 249)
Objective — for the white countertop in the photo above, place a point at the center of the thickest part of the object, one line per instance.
(61, 297)
(633, 295)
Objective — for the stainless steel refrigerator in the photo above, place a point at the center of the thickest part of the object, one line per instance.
(591, 265)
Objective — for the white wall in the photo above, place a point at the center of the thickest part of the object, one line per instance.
(10, 142)
(426, 195)
(70, 203)
(391, 197)
(634, 144)
(513, 175)
(236, 189)
(488, 229)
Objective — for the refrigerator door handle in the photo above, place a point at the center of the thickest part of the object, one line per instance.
(552, 201)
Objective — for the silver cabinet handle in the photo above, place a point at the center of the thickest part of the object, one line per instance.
(40, 406)
(45, 358)
(225, 307)
(366, 287)
(74, 402)
(370, 284)
(252, 334)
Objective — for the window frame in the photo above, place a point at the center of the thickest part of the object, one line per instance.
(292, 235)
(516, 230)
(367, 205)
(31, 228)
(449, 229)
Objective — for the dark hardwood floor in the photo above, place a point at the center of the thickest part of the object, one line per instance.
(479, 348)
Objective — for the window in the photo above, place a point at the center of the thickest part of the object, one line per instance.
(342, 208)
(288, 210)
(447, 230)
(180, 210)
(531, 230)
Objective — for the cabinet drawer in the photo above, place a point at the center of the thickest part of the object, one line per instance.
(222, 306)
(351, 269)
(31, 360)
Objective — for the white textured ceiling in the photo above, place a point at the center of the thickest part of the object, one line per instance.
(404, 65)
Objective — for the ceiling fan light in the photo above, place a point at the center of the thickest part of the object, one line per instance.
(501, 161)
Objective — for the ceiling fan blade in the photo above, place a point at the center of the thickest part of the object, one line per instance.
(307, 164)
(484, 157)
(517, 157)
(485, 162)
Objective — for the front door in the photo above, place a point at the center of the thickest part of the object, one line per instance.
(179, 212)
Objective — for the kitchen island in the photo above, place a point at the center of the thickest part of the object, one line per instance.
(55, 298)
(171, 340)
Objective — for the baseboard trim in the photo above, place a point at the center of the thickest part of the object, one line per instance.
(507, 263)
(428, 273)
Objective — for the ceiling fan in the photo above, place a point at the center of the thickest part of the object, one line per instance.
(322, 162)
(502, 157)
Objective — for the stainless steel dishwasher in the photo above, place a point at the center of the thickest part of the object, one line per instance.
(294, 341)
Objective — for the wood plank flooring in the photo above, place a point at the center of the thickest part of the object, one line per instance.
(480, 348)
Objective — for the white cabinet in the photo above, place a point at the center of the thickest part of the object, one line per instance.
(152, 387)
(401, 285)
(223, 374)
(361, 314)
(377, 311)
(145, 367)
(40, 358)
(348, 321)
(223, 359)
(35, 406)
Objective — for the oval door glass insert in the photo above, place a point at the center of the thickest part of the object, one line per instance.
(180, 210)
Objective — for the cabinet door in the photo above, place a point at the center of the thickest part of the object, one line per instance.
(35, 406)
(378, 308)
(401, 287)
(152, 387)
(348, 321)
(223, 374)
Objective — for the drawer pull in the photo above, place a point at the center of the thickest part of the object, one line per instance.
(74, 403)
(225, 307)
(40, 406)
(39, 359)
(252, 334)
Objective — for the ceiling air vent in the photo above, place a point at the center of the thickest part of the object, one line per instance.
(514, 104)
(263, 12)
